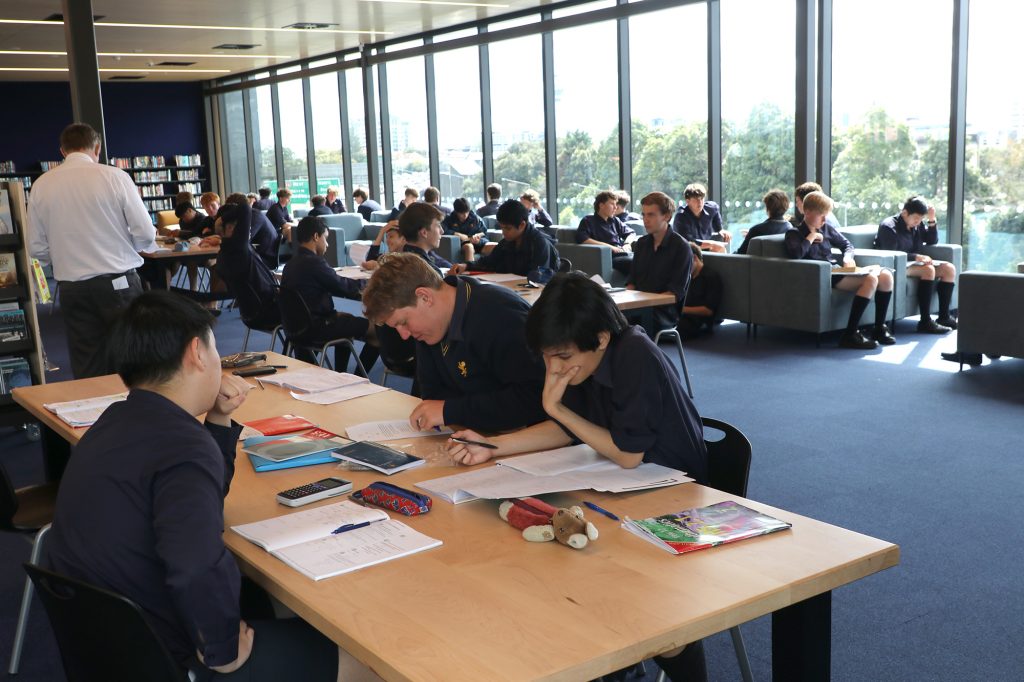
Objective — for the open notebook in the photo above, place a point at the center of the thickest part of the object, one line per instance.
(306, 540)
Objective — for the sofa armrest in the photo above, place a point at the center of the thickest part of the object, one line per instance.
(951, 253)
(989, 319)
(795, 294)
(734, 269)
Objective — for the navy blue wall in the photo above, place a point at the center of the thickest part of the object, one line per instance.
(141, 119)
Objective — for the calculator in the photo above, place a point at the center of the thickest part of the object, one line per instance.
(313, 492)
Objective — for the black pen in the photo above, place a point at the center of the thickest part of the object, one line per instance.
(466, 441)
(599, 510)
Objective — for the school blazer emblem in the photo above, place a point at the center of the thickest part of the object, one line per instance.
(463, 370)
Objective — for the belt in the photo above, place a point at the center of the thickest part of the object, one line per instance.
(107, 277)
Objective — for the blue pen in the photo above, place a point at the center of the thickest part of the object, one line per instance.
(599, 510)
(350, 526)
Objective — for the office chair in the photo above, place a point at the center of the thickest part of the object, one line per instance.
(297, 321)
(28, 511)
(729, 471)
(102, 635)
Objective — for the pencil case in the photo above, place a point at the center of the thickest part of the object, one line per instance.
(394, 498)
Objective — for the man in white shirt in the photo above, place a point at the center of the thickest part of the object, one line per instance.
(89, 222)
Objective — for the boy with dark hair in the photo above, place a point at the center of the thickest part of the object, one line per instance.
(365, 206)
(465, 225)
(410, 196)
(776, 203)
(907, 232)
(309, 274)
(700, 221)
(432, 195)
(661, 260)
(242, 268)
(703, 297)
(523, 247)
(420, 224)
(603, 228)
(493, 201)
(262, 236)
(264, 202)
(141, 504)
(279, 216)
(472, 362)
(320, 206)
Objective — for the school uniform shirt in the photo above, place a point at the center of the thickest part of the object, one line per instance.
(320, 210)
(705, 225)
(337, 206)
(278, 215)
(765, 229)
(635, 393)
(538, 216)
(396, 211)
(243, 268)
(534, 250)
(192, 228)
(316, 282)
(665, 269)
(894, 235)
(490, 208)
(610, 231)
(264, 238)
(472, 225)
(482, 369)
(366, 208)
(141, 512)
(435, 261)
(798, 247)
(263, 204)
(705, 290)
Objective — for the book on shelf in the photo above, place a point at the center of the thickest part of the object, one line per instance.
(6, 222)
(337, 538)
(7, 167)
(49, 165)
(704, 527)
(8, 269)
(282, 448)
(188, 160)
(377, 457)
(14, 372)
(12, 324)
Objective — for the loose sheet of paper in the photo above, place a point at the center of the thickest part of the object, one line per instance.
(337, 395)
(84, 412)
(554, 462)
(499, 277)
(353, 272)
(312, 379)
(389, 430)
(291, 529)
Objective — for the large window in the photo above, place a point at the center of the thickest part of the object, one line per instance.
(994, 174)
(457, 81)
(323, 95)
(234, 137)
(293, 141)
(586, 117)
(407, 109)
(356, 131)
(517, 117)
(890, 107)
(669, 100)
(758, 103)
(263, 136)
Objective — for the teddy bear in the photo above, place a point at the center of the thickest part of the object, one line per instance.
(541, 522)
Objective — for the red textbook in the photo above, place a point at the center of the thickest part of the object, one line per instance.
(286, 423)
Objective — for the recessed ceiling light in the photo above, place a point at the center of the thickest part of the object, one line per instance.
(143, 70)
(442, 2)
(126, 78)
(59, 18)
(204, 27)
(176, 64)
(235, 46)
(169, 55)
(309, 26)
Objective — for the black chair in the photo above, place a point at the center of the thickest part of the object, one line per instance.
(102, 635)
(254, 313)
(298, 321)
(398, 355)
(29, 512)
(673, 333)
(564, 264)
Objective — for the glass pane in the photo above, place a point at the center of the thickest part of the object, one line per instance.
(758, 105)
(293, 142)
(234, 135)
(263, 136)
(586, 117)
(356, 131)
(994, 177)
(457, 80)
(670, 120)
(407, 108)
(517, 116)
(890, 135)
(323, 94)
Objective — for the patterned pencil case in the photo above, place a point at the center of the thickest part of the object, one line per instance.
(394, 498)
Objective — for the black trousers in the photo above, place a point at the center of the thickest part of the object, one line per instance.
(90, 309)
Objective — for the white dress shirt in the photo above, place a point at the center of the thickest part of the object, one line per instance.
(87, 219)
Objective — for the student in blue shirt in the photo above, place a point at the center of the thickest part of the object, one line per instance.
(609, 386)
(776, 203)
(279, 216)
(264, 202)
(365, 206)
(465, 225)
(603, 228)
(538, 216)
(334, 201)
(412, 195)
(493, 201)
(523, 247)
(420, 224)
(699, 220)
(320, 206)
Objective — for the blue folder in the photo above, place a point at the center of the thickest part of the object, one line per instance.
(263, 464)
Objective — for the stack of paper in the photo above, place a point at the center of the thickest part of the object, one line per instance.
(322, 386)
(353, 272)
(78, 413)
(573, 468)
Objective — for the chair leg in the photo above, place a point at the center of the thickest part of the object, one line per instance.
(278, 331)
(682, 361)
(741, 654)
(245, 342)
(26, 605)
(384, 379)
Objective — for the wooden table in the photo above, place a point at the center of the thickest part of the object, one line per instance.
(625, 300)
(489, 606)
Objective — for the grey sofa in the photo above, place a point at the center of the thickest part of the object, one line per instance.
(990, 317)
(734, 269)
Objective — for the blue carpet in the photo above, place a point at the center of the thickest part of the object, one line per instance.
(892, 443)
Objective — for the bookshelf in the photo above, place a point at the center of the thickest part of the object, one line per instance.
(159, 181)
(21, 351)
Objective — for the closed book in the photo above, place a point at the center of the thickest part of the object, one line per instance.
(377, 457)
(8, 270)
(286, 423)
(282, 448)
(703, 527)
(261, 464)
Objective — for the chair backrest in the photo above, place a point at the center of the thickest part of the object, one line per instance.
(8, 501)
(251, 306)
(295, 316)
(166, 219)
(379, 216)
(101, 635)
(728, 458)
(397, 354)
(770, 246)
(564, 264)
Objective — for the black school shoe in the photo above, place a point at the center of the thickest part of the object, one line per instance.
(857, 341)
(947, 321)
(883, 336)
(930, 326)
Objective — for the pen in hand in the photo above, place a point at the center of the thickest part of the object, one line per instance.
(599, 510)
(466, 441)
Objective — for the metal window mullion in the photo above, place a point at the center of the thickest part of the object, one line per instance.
(486, 127)
(346, 141)
(824, 127)
(215, 146)
(275, 108)
(625, 111)
(550, 132)
(803, 167)
(714, 100)
(433, 155)
(385, 136)
(957, 124)
(250, 142)
(307, 103)
(370, 124)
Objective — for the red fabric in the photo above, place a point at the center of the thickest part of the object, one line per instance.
(529, 511)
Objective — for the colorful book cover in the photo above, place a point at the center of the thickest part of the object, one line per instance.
(280, 449)
(8, 270)
(12, 325)
(703, 527)
(286, 423)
